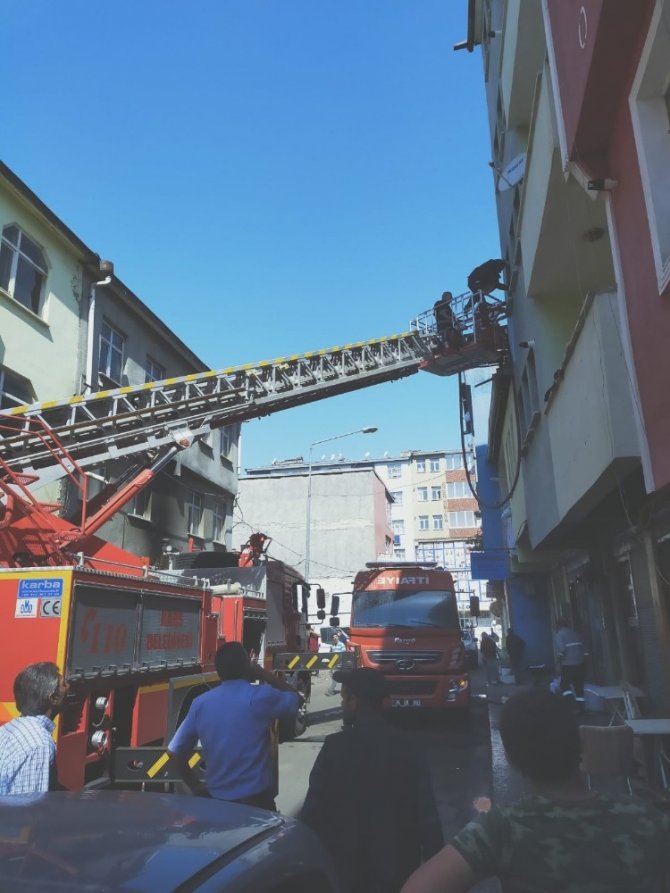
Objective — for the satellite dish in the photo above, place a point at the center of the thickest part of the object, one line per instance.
(367, 455)
(512, 173)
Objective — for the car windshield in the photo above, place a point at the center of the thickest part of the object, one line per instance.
(422, 608)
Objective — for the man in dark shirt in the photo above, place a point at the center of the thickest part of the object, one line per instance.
(370, 798)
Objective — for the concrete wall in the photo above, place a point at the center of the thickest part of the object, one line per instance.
(345, 525)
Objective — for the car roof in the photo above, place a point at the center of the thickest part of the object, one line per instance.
(113, 841)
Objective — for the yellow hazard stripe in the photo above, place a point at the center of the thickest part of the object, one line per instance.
(333, 661)
(195, 759)
(292, 663)
(312, 661)
(193, 376)
(158, 765)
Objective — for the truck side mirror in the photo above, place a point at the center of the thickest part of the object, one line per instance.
(321, 615)
(305, 600)
(335, 607)
(474, 606)
(321, 599)
(335, 621)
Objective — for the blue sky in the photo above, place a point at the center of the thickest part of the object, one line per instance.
(269, 176)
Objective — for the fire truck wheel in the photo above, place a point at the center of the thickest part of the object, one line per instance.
(294, 728)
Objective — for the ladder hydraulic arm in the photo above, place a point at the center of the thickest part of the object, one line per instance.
(90, 429)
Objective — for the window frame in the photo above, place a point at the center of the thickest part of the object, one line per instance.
(420, 466)
(434, 466)
(18, 255)
(141, 503)
(149, 366)
(394, 470)
(14, 399)
(648, 106)
(219, 514)
(422, 494)
(423, 522)
(437, 522)
(397, 496)
(436, 488)
(193, 503)
(101, 338)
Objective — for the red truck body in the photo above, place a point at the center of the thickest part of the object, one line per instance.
(404, 622)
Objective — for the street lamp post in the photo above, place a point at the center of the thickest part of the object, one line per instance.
(308, 528)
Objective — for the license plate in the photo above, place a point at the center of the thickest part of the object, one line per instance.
(405, 702)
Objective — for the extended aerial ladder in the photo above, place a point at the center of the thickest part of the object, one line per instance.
(43, 442)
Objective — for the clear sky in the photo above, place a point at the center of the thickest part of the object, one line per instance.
(269, 176)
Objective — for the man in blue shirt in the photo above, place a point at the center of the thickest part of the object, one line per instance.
(232, 723)
(27, 748)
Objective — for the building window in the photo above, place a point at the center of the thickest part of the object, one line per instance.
(422, 494)
(436, 493)
(193, 512)
(153, 371)
(226, 436)
(423, 522)
(421, 466)
(454, 461)
(395, 469)
(397, 496)
(23, 268)
(649, 103)
(398, 531)
(14, 389)
(399, 554)
(462, 519)
(140, 505)
(110, 363)
(219, 522)
(434, 465)
(438, 522)
(458, 490)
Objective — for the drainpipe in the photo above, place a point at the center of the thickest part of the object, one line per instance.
(107, 270)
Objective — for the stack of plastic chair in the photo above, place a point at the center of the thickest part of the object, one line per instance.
(607, 753)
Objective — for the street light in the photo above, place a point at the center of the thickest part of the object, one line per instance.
(368, 430)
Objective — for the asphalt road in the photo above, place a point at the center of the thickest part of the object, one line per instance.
(457, 747)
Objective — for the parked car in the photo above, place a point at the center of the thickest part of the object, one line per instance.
(123, 841)
(471, 648)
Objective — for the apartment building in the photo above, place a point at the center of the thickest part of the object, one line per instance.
(68, 325)
(578, 110)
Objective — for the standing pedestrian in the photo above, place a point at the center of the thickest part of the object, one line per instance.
(571, 656)
(489, 651)
(560, 837)
(445, 322)
(515, 647)
(337, 646)
(27, 748)
(232, 722)
(370, 799)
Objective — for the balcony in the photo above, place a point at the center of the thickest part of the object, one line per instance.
(562, 230)
(588, 425)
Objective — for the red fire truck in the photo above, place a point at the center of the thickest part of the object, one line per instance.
(137, 643)
(404, 622)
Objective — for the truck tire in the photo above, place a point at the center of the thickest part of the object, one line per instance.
(289, 729)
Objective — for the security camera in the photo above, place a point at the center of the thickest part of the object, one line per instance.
(603, 184)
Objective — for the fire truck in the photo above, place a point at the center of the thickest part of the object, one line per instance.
(404, 622)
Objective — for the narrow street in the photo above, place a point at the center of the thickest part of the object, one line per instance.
(458, 750)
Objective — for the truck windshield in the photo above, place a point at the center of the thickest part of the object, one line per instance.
(390, 608)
